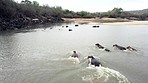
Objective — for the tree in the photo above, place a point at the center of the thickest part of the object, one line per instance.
(117, 10)
(35, 3)
(57, 11)
(27, 2)
(8, 8)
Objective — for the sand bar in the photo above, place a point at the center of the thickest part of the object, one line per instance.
(127, 23)
(107, 21)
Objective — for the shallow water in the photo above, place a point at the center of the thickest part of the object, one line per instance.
(41, 55)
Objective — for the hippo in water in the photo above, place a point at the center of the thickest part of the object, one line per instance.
(76, 25)
(93, 61)
(119, 47)
(130, 48)
(74, 58)
(69, 29)
(74, 54)
(102, 48)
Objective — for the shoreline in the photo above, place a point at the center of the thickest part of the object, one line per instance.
(107, 21)
(127, 23)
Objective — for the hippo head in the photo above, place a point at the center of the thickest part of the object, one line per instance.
(128, 47)
(115, 45)
(74, 51)
(90, 57)
(97, 44)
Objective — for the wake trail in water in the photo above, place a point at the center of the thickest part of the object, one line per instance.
(104, 75)
(87, 74)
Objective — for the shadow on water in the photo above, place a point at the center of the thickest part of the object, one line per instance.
(32, 28)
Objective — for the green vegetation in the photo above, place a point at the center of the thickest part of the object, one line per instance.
(119, 13)
(81, 14)
(10, 9)
(115, 13)
(18, 15)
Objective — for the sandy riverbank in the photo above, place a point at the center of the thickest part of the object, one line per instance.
(106, 21)
(102, 20)
(127, 23)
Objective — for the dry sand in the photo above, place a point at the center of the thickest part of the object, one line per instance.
(127, 23)
(106, 21)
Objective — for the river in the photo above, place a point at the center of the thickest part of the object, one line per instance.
(40, 55)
